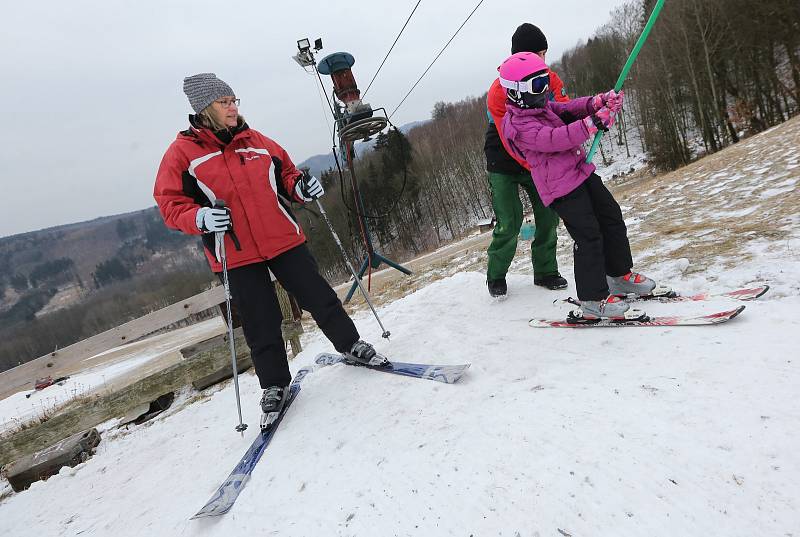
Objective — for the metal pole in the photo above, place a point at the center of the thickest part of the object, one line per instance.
(628, 64)
(385, 333)
(219, 237)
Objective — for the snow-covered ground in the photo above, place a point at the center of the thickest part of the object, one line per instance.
(688, 431)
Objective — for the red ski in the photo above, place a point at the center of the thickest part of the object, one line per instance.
(672, 296)
(576, 321)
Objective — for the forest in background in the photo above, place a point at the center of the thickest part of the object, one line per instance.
(712, 72)
(61, 285)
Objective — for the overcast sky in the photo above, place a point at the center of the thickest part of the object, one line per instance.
(92, 90)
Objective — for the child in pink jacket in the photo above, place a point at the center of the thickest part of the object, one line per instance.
(549, 136)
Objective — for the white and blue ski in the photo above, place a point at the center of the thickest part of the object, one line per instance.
(226, 494)
(222, 501)
(448, 374)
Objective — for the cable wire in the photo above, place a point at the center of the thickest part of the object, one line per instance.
(390, 49)
(436, 58)
(321, 94)
(323, 91)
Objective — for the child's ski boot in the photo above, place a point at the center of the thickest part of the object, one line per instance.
(630, 284)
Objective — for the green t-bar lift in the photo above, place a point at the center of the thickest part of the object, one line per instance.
(628, 64)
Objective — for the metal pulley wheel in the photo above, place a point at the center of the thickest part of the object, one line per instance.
(363, 128)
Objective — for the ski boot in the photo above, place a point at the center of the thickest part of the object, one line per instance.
(362, 353)
(272, 402)
(631, 284)
(497, 288)
(552, 282)
(612, 309)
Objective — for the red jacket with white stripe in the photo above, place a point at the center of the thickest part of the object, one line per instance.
(251, 173)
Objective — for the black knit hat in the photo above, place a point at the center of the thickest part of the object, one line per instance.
(528, 38)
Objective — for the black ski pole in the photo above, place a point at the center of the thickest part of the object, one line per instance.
(385, 333)
(219, 237)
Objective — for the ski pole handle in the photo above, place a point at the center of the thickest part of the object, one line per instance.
(220, 204)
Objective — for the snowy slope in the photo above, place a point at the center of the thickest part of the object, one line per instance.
(601, 432)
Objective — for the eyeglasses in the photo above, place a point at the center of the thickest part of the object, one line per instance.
(536, 85)
(226, 103)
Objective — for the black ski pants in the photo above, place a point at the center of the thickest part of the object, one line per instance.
(594, 221)
(254, 296)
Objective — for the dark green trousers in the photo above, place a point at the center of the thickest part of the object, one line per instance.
(508, 212)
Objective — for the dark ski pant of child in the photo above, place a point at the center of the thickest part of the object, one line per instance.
(594, 221)
(254, 297)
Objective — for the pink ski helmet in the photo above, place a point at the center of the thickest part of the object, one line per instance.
(525, 73)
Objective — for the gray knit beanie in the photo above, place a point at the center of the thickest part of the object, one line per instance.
(203, 89)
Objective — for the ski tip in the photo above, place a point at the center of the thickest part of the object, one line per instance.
(736, 312)
(748, 294)
(454, 376)
(207, 512)
(723, 316)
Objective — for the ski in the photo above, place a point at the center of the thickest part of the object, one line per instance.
(222, 500)
(672, 296)
(678, 320)
(227, 493)
(440, 373)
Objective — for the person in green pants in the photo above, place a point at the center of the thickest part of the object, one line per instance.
(506, 176)
(508, 212)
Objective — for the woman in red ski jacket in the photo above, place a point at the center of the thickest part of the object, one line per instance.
(219, 157)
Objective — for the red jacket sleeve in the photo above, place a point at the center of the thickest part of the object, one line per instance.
(496, 104)
(289, 173)
(178, 210)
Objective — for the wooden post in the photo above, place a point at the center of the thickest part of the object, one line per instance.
(291, 326)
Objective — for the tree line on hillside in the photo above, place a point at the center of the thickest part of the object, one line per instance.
(102, 310)
(711, 72)
(150, 268)
(30, 260)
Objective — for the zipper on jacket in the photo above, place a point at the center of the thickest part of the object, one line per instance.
(241, 159)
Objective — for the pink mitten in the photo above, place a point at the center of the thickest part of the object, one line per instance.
(611, 99)
(598, 101)
(615, 101)
(606, 116)
(590, 126)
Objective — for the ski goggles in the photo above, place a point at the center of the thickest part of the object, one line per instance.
(536, 85)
